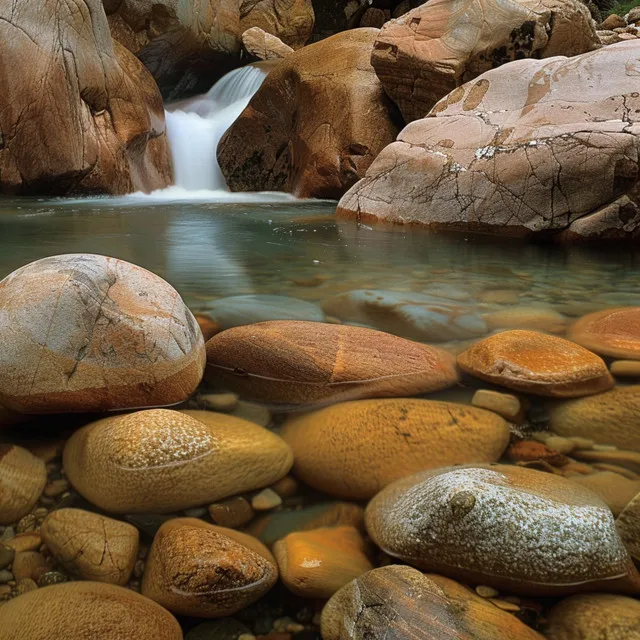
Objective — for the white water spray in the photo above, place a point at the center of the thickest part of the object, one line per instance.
(194, 127)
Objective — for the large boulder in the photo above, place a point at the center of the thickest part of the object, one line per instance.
(188, 44)
(534, 146)
(428, 52)
(316, 123)
(78, 113)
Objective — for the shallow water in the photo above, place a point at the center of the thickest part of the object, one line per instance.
(209, 250)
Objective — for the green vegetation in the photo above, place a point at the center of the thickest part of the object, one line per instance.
(622, 8)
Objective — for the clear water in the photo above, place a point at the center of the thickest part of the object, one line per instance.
(209, 250)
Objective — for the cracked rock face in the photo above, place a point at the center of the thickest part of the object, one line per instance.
(316, 123)
(83, 332)
(489, 524)
(429, 51)
(83, 116)
(188, 44)
(535, 146)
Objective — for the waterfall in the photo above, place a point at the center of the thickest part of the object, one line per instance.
(195, 126)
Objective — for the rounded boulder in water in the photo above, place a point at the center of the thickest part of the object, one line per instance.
(304, 363)
(505, 526)
(236, 311)
(83, 332)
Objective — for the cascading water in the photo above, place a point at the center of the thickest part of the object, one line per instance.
(194, 127)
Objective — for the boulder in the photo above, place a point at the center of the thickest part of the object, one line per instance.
(315, 125)
(83, 116)
(81, 610)
(612, 332)
(83, 332)
(434, 48)
(264, 46)
(532, 147)
(304, 363)
(188, 44)
(160, 461)
(354, 449)
(505, 526)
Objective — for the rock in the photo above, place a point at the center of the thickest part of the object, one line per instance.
(354, 449)
(614, 489)
(625, 369)
(266, 500)
(594, 616)
(161, 461)
(7, 555)
(208, 327)
(50, 578)
(194, 570)
(534, 318)
(286, 487)
(224, 402)
(399, 602)
(79, 610)
(530, 451)
(94, 126)
(611, 418)
(612, 22)
(633, 16)
(504, 404)
(536, 363)
(315, 564)
(486, 164)
(277, 525)
(85, 333)
(232, 512)
(302, 131)
(612, 332)
(91, 546)
(628, 526)
(608, 37)
(433, 49)
(264, 46)
(412, 315)
(237, 311)
(25, 563)
(6, 576)
(253, 413)
(22, 479)
(306, 363)
(487, 524)
(25, 541)
(224, 629)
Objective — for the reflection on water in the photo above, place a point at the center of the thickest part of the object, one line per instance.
(211, 250)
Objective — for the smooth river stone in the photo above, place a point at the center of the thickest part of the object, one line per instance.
(505, 526)
(536, 363)
(22, 479)
(594, 616)
(304, 363)
(397, 602)
(161, 460)
(411, 315)
(84, 333)
(354, 449)
(612, 332)
(237, 311)
(81, 610)
(611, 418)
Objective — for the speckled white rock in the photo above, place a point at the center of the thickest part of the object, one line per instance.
(83, 332)
(505, 526)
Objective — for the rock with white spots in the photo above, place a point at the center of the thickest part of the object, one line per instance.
(508, 527)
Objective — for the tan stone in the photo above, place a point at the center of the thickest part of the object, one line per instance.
(400, 602)
(512, 153)
(628, 526)
(84, 332)
(286, 362)
(208, 326)
(612, 332)
(315, 564)
(612, 22)
(266, 500)
(614, 489)
(453, 510)
(530, 450)
(224, 402)
(504, 404)
(77, 610)
(232, 512)
(22, 479)
(354, 449)
(29, 541)
(193, 569)
(264, 46)
(533, 318)
(25, 563)
(93, 126)
(300, 133)
(91, 546)
(434, 48)
(160, 460)
(594, 616)
(625, 369)
(607, 418)
(536, 363)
